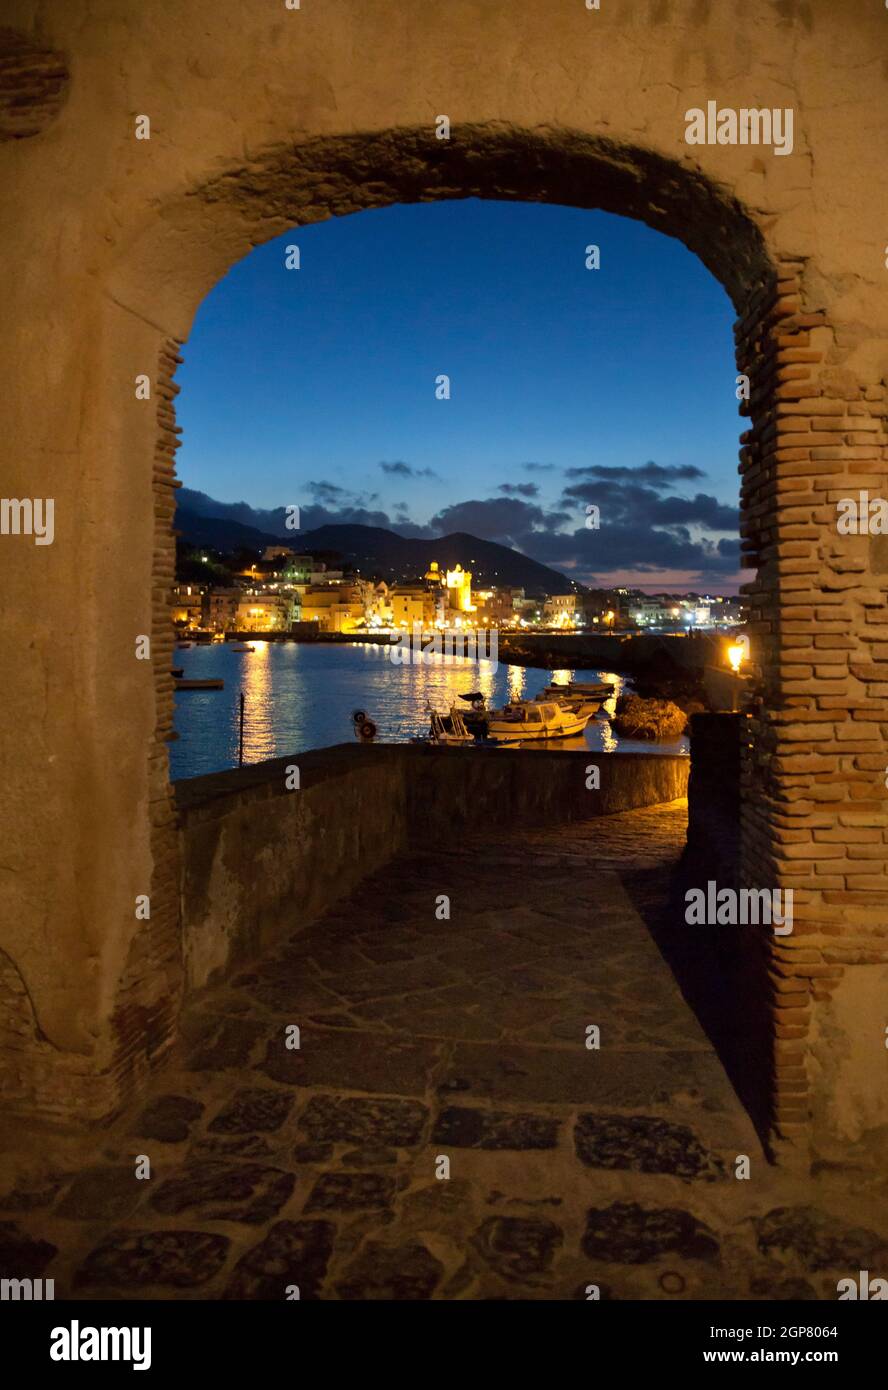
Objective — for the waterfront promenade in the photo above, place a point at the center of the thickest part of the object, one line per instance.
(428, 1045)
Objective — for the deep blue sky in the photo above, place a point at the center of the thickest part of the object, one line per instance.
(299, 385)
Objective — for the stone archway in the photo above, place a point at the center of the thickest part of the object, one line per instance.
(101, 991)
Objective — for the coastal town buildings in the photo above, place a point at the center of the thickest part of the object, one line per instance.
(335, 607)
(283, 590)
(415, 603)
(264, 610)
(561, 610)
(187, 605)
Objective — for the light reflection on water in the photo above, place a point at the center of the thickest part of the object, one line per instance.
(301, 695)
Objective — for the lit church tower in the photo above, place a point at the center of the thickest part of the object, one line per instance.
(459, 586)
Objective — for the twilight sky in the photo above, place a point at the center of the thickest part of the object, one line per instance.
(613, 387)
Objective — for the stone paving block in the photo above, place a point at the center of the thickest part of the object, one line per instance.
(352, 1192)
(626, 1233)
(364, 1061)
(293, 1253)
(391, 1272)
(468, 1128)
(131, 1260)
(819, 1240)
(251, 1110)
(354, 1120)
(517, 1246)
(222, 1191)
(643, 1144)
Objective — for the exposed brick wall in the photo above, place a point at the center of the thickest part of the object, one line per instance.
(150, 991)
(814, 800)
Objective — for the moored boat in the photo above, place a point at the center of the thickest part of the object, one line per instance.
(523, 720)
(583, 697)
(199, 685)
(476, 715)
(446, 729)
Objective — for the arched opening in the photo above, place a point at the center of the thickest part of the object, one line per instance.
(283, 679)
(332, 177)
(304, 381)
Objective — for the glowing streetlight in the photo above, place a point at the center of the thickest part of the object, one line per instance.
(737, 654)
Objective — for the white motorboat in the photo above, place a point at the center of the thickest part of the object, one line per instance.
(523, 720)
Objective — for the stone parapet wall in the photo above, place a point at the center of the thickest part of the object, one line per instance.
(260, 861)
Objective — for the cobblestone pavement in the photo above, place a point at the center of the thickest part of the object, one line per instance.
(425, 1043)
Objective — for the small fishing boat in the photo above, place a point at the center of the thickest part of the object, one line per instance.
(446, 729)
(524, 720)
(240, 647)
(583, 697)
(199, 685)
(476, 715)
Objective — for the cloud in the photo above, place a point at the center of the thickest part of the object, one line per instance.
(403, 470)
(629, 503)
(664, 474)
(503, 519)
(520, 489)
(326, 493)
(311, 517)
(592, 555)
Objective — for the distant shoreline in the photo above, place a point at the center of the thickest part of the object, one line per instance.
(623, 653)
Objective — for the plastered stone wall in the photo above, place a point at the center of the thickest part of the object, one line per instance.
(262, 118)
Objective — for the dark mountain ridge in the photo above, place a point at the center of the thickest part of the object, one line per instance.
(371, 550)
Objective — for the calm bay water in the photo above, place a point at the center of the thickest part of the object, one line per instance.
(301, 696)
